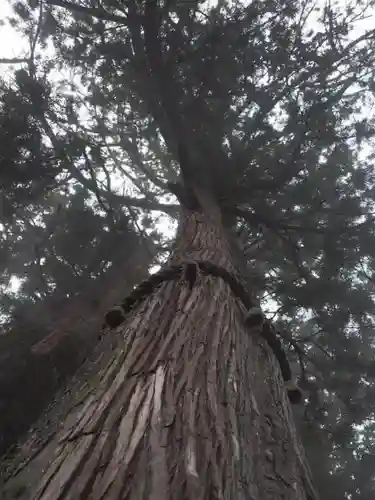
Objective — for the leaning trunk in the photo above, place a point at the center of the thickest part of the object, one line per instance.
(191, 406)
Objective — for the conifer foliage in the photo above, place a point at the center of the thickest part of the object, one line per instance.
(268, 105)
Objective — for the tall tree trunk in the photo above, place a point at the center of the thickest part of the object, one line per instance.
(191, 406)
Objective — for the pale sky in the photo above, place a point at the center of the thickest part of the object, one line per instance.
(11, 44)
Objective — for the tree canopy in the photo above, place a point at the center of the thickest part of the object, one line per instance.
(272, 101)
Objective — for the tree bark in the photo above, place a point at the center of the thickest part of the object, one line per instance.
(190, 406)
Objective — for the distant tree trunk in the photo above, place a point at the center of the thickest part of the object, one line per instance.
(191, 407)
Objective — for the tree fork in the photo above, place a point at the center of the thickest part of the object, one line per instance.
(190, 406)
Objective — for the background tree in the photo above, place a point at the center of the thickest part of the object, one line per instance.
(68, 254)
(267, 107)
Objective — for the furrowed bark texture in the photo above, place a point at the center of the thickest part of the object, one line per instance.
(192, 406)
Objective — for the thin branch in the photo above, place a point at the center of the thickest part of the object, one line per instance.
(306, 339)
(301, 354)
(13, 60)
(108, 178)
(321, 348)
(107, 209)
(90, 11)
(133, 152)
(141, 231)
(34, 41)
(286, 335)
